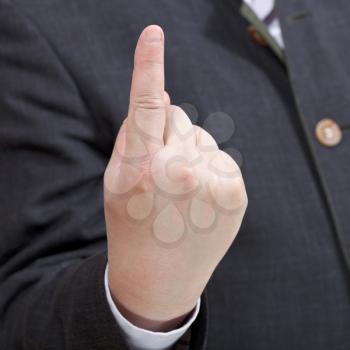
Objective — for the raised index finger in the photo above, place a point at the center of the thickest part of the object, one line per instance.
(146, 116)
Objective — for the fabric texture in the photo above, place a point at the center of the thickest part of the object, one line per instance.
(65, 68)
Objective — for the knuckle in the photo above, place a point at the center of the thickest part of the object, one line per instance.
(237, 191)
(142, 186)
(147, 101)
(227, 158)
(205, 139)
(177, 113)
(149, 62)
(178, 110)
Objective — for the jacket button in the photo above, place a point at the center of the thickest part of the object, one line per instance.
(328, 133)
(256, 36)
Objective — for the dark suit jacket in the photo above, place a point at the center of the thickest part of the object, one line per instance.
(65, 68)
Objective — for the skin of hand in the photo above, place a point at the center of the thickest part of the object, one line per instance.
(173, 201)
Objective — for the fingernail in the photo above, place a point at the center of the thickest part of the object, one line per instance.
(153, 36)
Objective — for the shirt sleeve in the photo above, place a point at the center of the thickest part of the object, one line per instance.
(142, 339)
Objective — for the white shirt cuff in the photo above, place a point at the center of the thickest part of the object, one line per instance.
(142, 339)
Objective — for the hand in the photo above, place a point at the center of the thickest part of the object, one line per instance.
(173, 201)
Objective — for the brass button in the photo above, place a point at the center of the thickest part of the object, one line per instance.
(328, 132)
(256, 36)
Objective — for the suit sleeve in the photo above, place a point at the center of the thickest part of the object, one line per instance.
(52, 236)
(52, 232)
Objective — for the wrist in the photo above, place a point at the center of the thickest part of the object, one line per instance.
(149, 309)
(164, 325)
